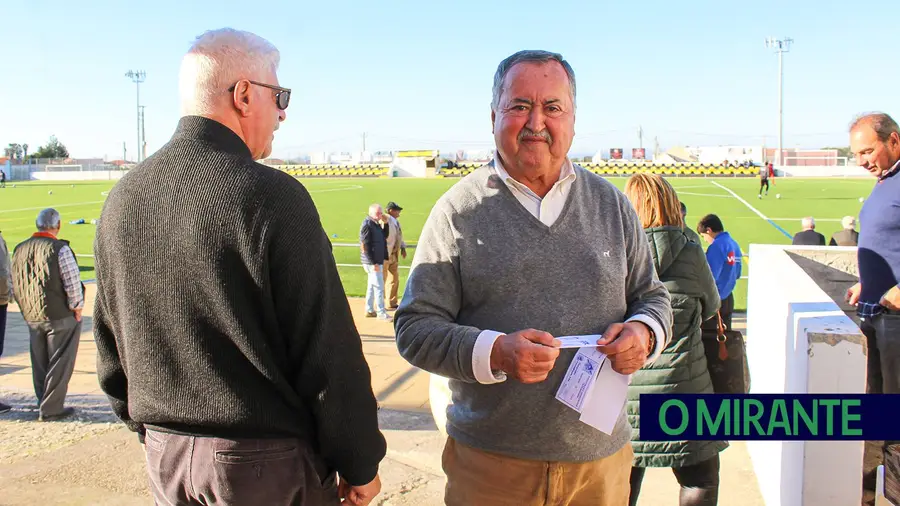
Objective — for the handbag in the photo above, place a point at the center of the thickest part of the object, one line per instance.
(726, 360)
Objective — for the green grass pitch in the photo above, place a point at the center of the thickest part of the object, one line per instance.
(342, 204)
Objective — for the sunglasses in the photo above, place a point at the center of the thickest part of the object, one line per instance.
(282, 95)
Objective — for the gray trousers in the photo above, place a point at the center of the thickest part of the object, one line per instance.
(196, 471)
(882, 377)
(54, 345)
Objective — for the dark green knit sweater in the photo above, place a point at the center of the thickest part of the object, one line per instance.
(219, 308)
(681, 368)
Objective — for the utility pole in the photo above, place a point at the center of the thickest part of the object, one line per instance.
(364, 142)
(655, 148)
(780, 46)
(137, 77)
(143, 133)
(124, 153)
(641, 137)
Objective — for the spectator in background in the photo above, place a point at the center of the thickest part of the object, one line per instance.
(50, 295)
(848, 236)
(6, 295)
(875, 142)
(235, 359)
(724, 258)
(771, 172)
(373, 253)
(681, 368)
(808, 236)
(396, 248)
(688, 231)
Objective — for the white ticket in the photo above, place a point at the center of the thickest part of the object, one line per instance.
(578, 341)
(578, 380)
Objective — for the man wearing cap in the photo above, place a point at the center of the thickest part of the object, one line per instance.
(396, 249)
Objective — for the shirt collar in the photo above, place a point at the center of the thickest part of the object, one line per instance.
(567, 173)
(888, 173)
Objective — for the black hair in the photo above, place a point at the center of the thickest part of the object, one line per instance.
(712, 222)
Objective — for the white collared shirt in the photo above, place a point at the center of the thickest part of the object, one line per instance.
(547, 210)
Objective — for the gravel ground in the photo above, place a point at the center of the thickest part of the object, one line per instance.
(21, 435)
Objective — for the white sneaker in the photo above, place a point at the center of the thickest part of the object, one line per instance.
(385, 317)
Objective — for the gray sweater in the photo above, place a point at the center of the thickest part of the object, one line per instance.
(484, 262)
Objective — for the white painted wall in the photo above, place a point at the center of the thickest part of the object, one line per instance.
(87, 175)
(784, 304)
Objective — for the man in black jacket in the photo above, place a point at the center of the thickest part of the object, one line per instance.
(224, 336)
(809, 236)
(373, 252)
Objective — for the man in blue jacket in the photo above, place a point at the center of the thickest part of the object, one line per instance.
(724, 258)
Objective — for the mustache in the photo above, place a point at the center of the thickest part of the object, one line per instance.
(527, 132)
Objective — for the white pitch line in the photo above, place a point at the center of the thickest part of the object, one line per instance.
(755, 210)
(706, 195)
(54, 207)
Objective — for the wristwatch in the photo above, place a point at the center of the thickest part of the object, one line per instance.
(652, 343)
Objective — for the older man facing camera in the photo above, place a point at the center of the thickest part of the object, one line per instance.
(224, 336)
(521, 251)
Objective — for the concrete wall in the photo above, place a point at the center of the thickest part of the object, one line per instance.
(87, 175)
(801, 340)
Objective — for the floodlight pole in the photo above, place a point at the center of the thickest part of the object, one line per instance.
(780, 46)
(137, 76)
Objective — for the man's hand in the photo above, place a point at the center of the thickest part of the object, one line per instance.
(77, 313)
(527, 355)
(403, 252)
(377, 267)
(891, 299)
(361, 495)
(626, 345)
(853, 292)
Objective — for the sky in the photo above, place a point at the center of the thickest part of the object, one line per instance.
(417, 75)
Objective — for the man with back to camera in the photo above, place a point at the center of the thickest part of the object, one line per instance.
(808, 236)
(525, 249)
(688, 231)
(48, 289)
(875, 142)
(224, 336)
(847, 236)
(724, 258)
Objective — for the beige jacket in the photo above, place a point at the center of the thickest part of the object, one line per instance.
(5, 275)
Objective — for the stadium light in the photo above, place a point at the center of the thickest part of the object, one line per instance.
(137, 76)
(780, 46)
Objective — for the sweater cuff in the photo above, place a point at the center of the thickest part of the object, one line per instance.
(360, 476)
(661, 338)
(481, 358)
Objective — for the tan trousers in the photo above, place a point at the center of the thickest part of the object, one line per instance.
(478, 478)
(390, 268)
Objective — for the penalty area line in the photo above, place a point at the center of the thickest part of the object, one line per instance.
(755, 210)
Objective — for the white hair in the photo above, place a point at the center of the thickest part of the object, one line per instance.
(373, 209)
(848, 222)
(48, 219)
(216, 61)
(809, 223)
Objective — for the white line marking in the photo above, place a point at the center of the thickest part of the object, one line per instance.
(339, 265)
(755, 210)
(706, 194)
(54, 207)
(784, 219)
(343, 188)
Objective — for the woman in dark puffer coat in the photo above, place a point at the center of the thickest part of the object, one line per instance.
(681, 266)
